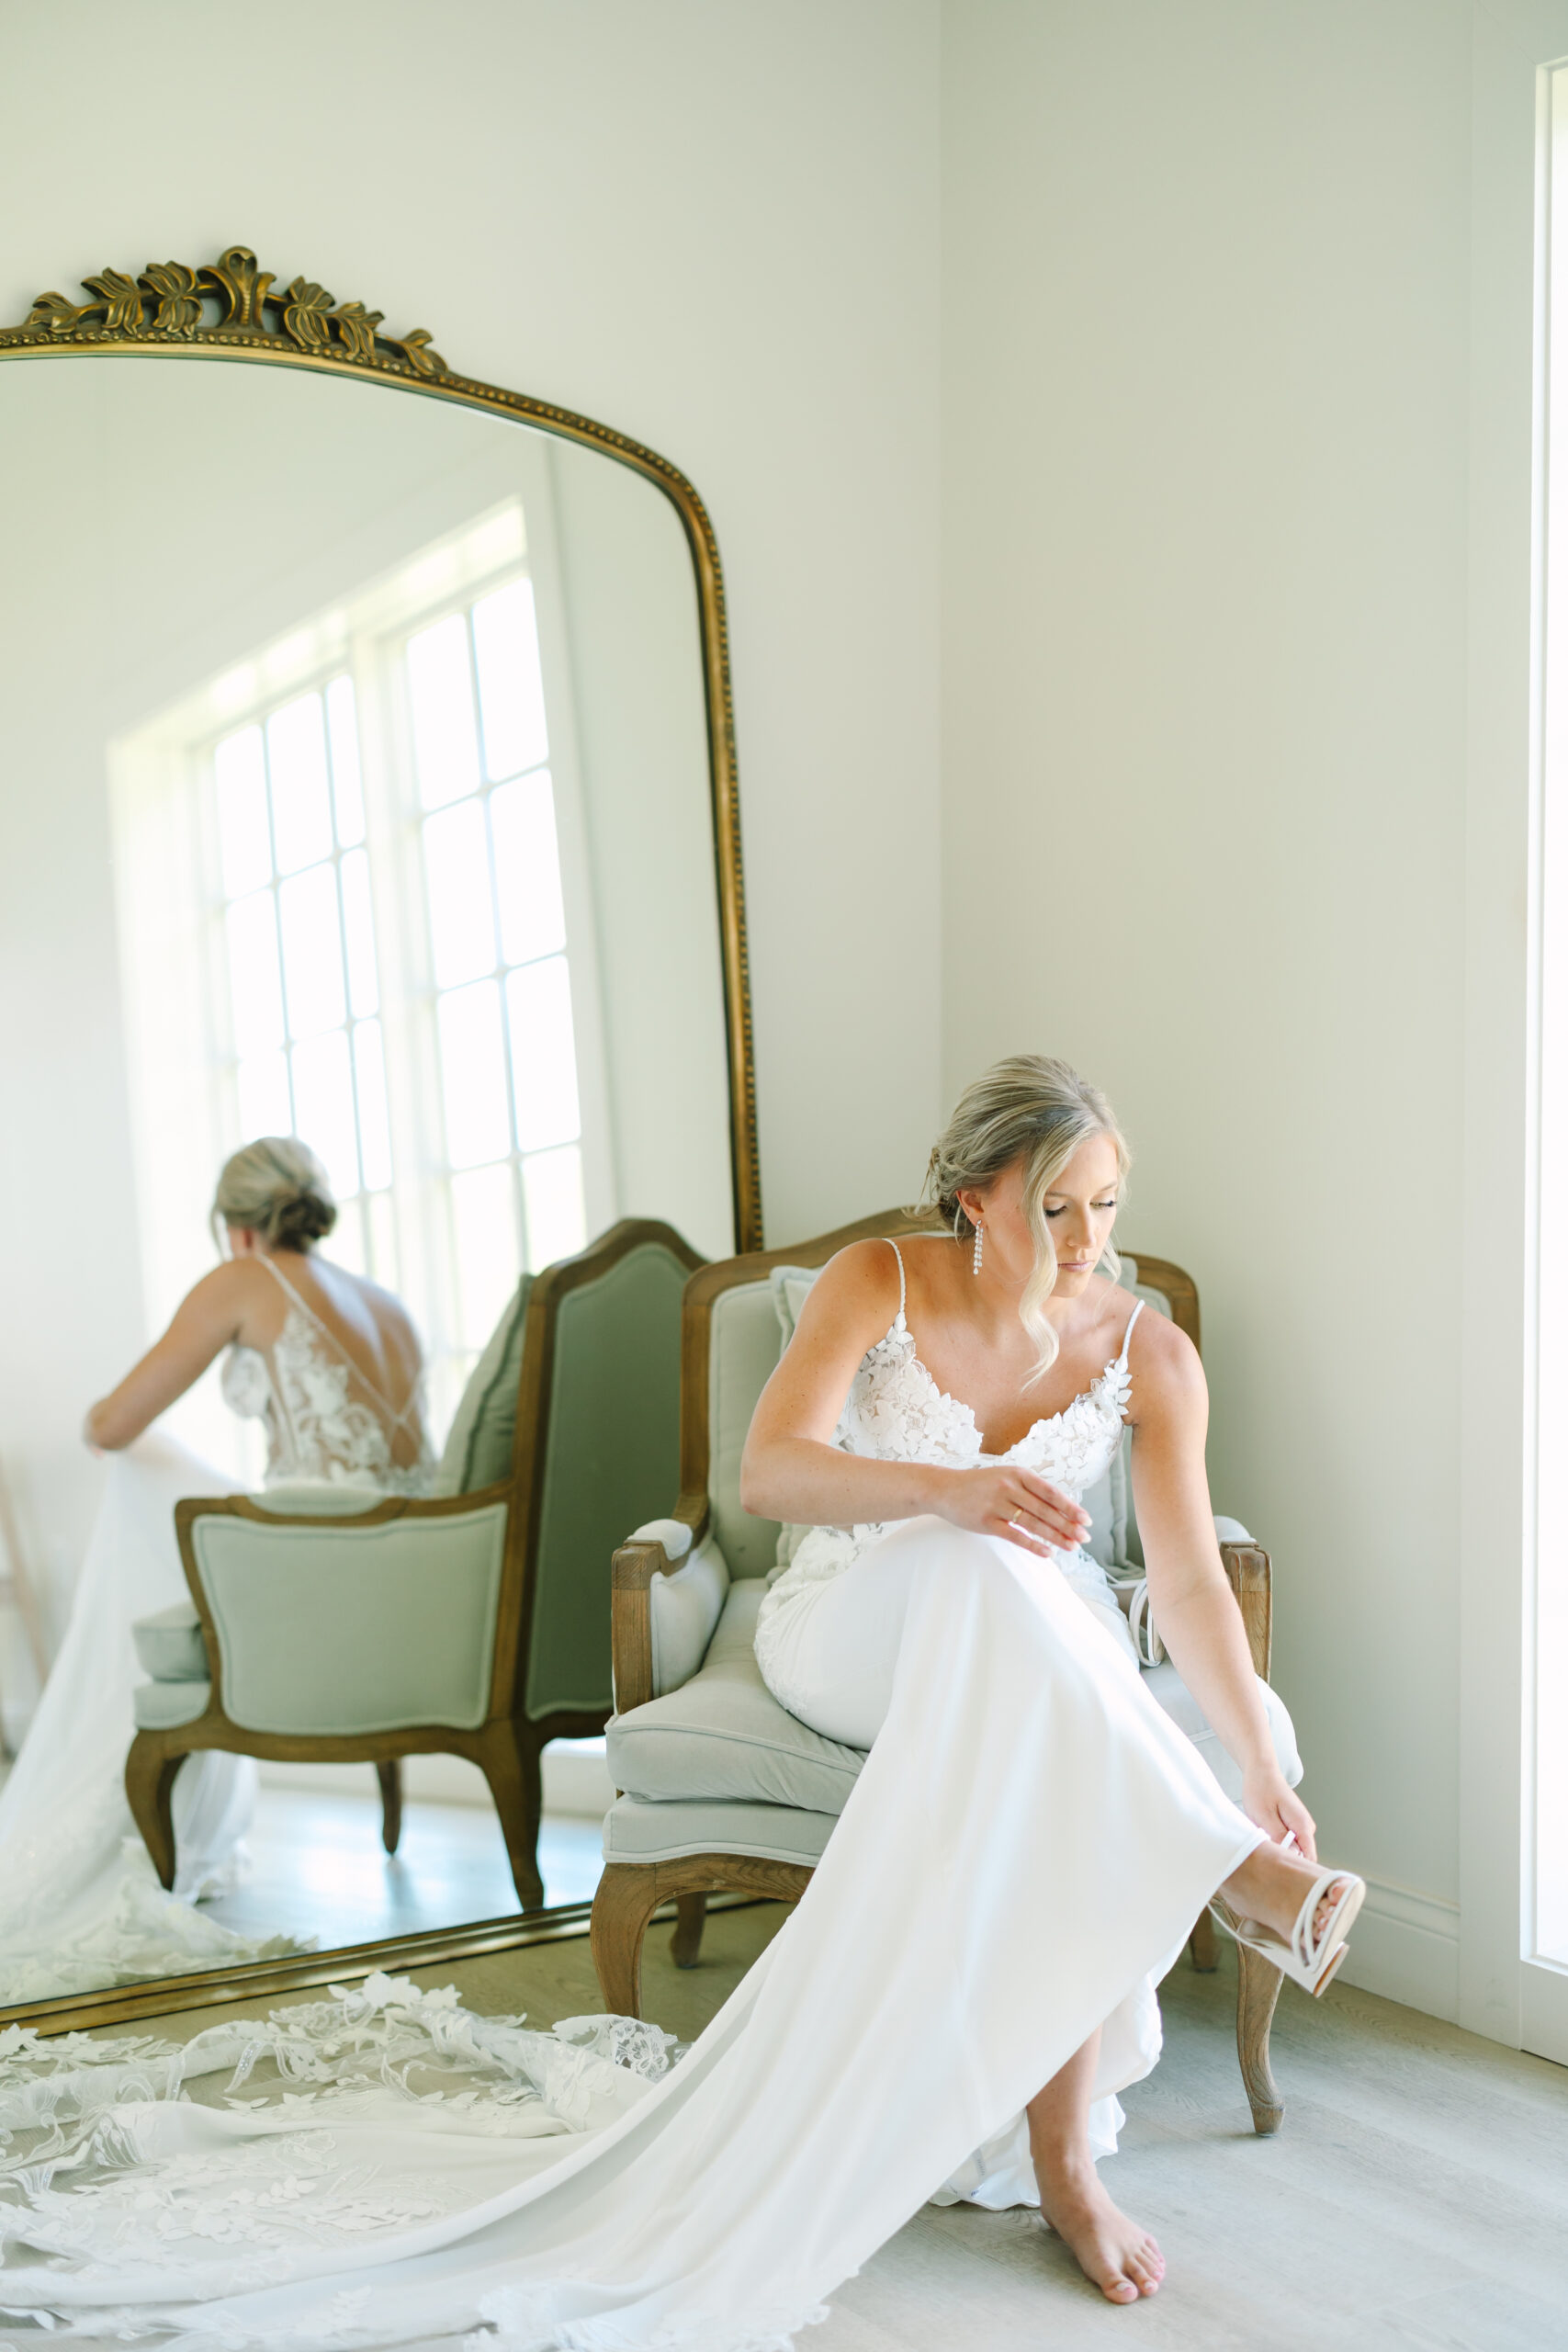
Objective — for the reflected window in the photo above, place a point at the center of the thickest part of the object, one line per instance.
(501, 978)
(305, 1049)
(382, 937)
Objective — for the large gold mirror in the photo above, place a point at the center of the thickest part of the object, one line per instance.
(371, 777)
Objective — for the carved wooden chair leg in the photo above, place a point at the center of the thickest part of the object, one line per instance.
(626, 1900)
(1257, 1990)
(509, 1760)
(390, 1775)
(1202, 1945)
(686, 1943)
(150, 1792)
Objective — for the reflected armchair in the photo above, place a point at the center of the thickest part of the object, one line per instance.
(474, 1623)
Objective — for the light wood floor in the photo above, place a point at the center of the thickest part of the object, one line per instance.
(318, 1870)
(1417, 2199)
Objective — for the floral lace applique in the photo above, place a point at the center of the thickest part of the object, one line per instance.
(315, 1430)
(896, 1412)
(85, 2112)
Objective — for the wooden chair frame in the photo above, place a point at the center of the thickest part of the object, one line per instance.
(507, 1745)
(629, 1892)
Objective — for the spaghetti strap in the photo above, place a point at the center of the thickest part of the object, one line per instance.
(1127, 1334)
(899, 1255)
(333, 1341)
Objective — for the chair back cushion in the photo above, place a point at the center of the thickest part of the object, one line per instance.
(478, 1446)
(612, 1459)
(332, 1632)
(743, 1349)
(1113, 1531)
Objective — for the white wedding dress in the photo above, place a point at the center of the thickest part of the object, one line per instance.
(80, 1905)
(1022, 1854)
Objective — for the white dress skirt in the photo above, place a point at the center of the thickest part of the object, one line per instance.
(81, 1907)
(1025, 1849)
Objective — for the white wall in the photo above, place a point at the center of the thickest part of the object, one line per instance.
(1207, 337)
(712, 227)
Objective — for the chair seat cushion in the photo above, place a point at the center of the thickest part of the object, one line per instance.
(162, 1706)
(636, 1830)
(723, 1737)
(170, 1646)
(722, 1744)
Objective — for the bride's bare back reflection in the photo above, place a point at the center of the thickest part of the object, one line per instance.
(331, 1364)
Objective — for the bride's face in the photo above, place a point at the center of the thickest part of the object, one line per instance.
(1080, 1209)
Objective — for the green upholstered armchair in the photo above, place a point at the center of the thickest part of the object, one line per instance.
(719, 1786)
(476, 1623)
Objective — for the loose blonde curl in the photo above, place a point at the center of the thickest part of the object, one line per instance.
(278, 1188)
(1033, 1108)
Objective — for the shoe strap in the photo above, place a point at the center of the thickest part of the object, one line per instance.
(1304, 1944)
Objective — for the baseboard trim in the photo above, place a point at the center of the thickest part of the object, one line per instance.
(1405, 1946)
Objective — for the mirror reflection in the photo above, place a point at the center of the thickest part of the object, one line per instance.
(389, 719)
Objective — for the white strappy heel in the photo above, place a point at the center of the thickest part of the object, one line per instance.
(1313, 1956)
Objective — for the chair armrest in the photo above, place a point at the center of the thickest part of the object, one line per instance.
(1251, 1577)
(632, 1571)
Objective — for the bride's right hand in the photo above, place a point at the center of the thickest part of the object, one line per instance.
(1016, 1504)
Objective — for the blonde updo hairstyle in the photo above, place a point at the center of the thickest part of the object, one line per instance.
(1034, 1108)
(278, 1188)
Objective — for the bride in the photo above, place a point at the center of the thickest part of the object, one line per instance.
(971, 1970)
(330, 1365)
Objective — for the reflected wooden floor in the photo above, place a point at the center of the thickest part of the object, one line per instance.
(317, 1869)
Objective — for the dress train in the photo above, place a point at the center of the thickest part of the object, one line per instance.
(80, 1904)
(1026, 1848)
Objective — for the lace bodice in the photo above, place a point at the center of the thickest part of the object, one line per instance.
(896, 1412)
(315, 1427)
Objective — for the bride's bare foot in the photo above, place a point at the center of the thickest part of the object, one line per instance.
(1114, 2252)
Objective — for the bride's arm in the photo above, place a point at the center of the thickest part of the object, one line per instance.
(792, 1470)
(205, 1322)
(1190, 1596)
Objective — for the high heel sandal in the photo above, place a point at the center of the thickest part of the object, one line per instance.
(1312, 1957)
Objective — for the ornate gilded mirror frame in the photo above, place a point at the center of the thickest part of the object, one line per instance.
(232, 308)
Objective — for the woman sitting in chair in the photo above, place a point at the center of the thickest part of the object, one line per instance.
(1028, 1840)
(913, 1392)
(331, 1364)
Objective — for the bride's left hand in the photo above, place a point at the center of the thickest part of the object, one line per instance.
(1267, 1799)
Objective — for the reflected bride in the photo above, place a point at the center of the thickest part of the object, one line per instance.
(331, 1365)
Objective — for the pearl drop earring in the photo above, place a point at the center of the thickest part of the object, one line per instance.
(979, 1246)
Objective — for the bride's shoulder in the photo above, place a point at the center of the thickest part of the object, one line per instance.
(220, 1307)
(1166, 1367)
(855, 1296)
(232, 1281)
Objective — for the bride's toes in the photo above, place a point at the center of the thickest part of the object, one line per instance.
(1324, 1911)
(1121, 2259)
(1146, 2267)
